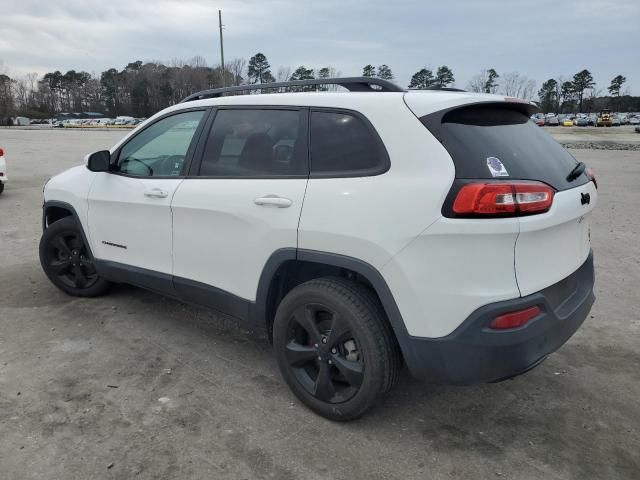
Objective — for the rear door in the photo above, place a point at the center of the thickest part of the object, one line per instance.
(497, 143)
(240, 203)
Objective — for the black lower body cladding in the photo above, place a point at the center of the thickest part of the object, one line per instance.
(473, 353)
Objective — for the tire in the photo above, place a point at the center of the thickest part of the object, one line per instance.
(335, 348)
(1, 188)
(67, 260)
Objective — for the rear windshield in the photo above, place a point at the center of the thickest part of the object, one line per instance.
(489, 142)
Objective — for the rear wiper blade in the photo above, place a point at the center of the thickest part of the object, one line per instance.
(576, 172)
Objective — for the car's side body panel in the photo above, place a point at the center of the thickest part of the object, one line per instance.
(128, 226)
(451, 269)
(372, 218)
(223, 238)
(72, 187)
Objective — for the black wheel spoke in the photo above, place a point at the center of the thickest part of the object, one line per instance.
(60, 266)
(61, 245)
(80, 278)
(298, 355)
(339, 329)
(323, 388)
(352, 371)
(305, 316)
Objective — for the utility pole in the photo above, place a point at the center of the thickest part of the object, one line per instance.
(221, 48)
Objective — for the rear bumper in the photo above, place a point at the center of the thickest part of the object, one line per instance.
(475, 354)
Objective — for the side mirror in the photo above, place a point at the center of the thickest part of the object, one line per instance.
(99, 161)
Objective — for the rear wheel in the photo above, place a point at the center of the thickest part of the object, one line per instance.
(334, 347)
(68, 262)
(1, 187)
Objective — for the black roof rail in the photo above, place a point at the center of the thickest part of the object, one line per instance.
(437, 87)
(353, 84)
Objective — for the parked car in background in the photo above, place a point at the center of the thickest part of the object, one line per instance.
(634, 120)
(582, 121)
(615, 121)
(3, 170)
(123, 120)
(552, 121)
(567, 121)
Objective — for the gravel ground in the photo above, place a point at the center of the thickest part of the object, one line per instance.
(137, 385)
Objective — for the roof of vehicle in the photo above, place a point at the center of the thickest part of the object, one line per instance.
(421, 102)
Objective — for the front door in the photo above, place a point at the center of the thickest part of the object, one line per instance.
(130, 206)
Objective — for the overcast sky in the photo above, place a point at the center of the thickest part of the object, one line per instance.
(537, 38)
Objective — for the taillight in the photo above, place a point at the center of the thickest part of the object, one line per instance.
(1, 152)
(508, 199)
(592, 175)
(514, 319)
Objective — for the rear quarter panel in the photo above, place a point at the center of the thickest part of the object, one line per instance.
(373, 218)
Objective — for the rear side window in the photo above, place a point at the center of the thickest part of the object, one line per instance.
(256, 143)
(342, 144)
(489, 142)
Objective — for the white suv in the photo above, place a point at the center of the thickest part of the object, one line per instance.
(360, 230)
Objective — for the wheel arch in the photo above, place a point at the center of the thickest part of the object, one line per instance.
(54, 210)
(287, 268)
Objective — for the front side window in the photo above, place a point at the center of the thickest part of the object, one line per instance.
(342, 144)
(255, 143)
(160, 149)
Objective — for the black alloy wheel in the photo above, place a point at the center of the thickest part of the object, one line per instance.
(68, 261)
(323, 353)
(335, 347)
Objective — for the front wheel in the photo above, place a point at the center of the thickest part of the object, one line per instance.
(335, 348)
(68, 262)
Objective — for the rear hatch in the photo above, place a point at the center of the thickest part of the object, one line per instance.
(495, 143)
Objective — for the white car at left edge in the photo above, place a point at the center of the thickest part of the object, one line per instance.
(3, 170)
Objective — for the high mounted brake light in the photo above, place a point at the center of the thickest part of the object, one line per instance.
(503, 199)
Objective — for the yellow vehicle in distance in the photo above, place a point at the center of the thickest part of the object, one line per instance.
(604, 118)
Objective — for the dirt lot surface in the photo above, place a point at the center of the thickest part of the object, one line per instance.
(133, 385)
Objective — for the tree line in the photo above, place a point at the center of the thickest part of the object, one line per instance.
(143, 88)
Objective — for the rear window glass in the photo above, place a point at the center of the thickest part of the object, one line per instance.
(343, 145)
(488, 142)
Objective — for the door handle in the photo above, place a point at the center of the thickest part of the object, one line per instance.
(156, 193)
(273, 200)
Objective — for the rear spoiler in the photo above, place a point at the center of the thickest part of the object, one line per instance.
(433, 121)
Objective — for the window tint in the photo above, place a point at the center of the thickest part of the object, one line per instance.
(487, 141)
(160, 149)
(342, 143)
(250, 143)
